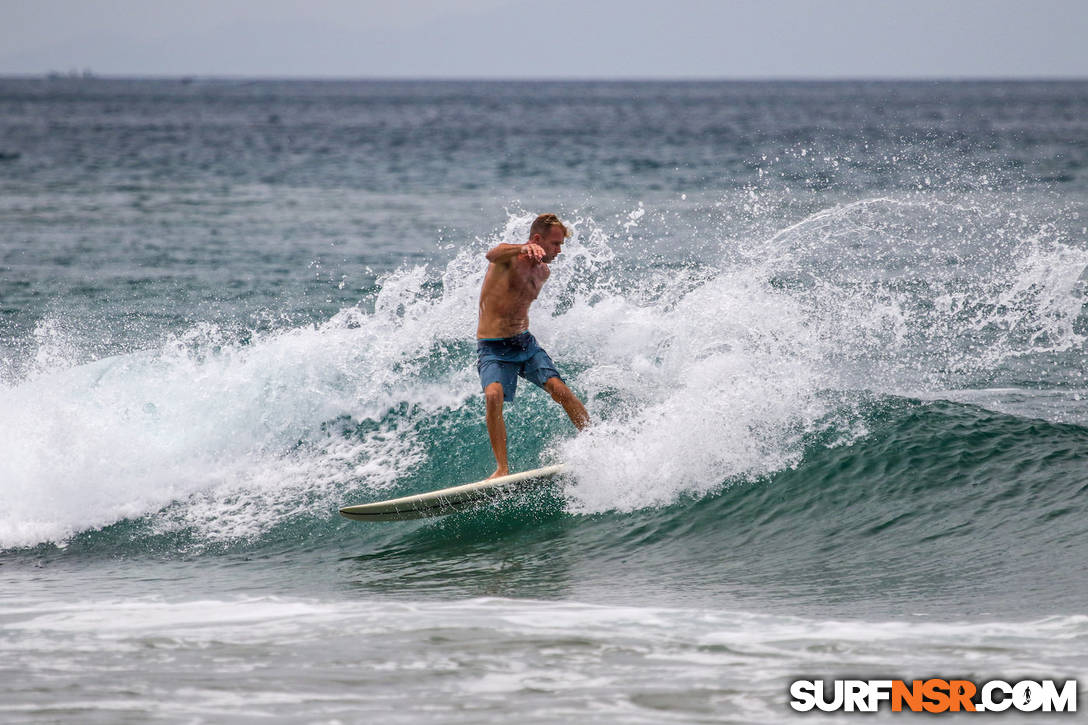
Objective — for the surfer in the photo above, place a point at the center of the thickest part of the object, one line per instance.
(504, 345)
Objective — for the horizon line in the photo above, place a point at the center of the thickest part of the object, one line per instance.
(91, 75)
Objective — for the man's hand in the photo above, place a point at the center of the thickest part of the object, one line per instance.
(534, 252)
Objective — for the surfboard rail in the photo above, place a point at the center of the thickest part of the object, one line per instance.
(449, 500)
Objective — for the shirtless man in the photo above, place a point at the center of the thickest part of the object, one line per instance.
(504, 345)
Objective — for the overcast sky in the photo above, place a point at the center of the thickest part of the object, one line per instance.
(553, 39)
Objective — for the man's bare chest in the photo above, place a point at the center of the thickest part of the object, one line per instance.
(528, 282)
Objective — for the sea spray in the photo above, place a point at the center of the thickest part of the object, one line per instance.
(700, 377)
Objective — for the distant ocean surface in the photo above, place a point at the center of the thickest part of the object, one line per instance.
(832, 336)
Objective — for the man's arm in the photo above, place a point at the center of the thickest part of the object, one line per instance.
(506, 253)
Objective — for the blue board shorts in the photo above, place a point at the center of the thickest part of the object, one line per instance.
(502, 360)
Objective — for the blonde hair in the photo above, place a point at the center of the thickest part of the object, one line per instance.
(544, 223)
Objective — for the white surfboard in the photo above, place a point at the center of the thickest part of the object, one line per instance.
(448, 500)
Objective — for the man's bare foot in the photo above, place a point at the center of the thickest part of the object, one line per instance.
(500, 471)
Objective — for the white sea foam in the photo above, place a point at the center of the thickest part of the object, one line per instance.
(546, 660)
(124, 436)
(716, 386)
(726, 379)
(218, 422)
(239, 435)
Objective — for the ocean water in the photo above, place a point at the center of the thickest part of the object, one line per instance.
(832, 337)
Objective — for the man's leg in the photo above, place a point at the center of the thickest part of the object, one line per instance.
(496, 427)
(562, 394)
